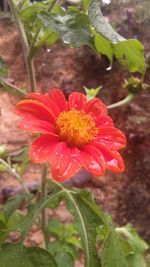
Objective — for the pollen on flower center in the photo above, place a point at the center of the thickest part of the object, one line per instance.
(76, 127)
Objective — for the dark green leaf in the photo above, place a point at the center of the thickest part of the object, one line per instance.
(112, 254)
(131, 54)
(73, 27)
(18, 256)
(101, 24)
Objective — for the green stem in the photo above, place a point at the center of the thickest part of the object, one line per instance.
(16, 175)
(31, 49)
(123, 102)
(43, 212)
(25, 45)
(12, 86)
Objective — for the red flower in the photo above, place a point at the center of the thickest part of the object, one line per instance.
(75, 134)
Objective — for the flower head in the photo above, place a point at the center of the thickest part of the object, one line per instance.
(75, 134)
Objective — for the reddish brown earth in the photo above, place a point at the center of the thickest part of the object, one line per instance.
(125, 196)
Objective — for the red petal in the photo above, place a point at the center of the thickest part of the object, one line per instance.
(41, 149)
(92, 160)
(38, 126)
(114, 161)
(64, 162)
(102, 121)
(58, 97)
(77, 101)
(112, 137)
(95, 107)
(29, 109)
(45, 99)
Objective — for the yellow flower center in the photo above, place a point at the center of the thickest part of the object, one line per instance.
(76, 127)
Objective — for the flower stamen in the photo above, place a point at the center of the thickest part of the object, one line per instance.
(76, 127)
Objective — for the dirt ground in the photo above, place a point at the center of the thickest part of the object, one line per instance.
(125, 196)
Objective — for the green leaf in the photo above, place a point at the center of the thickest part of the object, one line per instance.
(137, 247)
(128, 52)
(20, 256)
(87, 218)
(34, 211)
(55, 227)
(131, 54)
(12, 204)
(73, 27)
(3, 69)
(103, 46)
(101, 24)
(64, 259)
(86, 4)
(92, 92)
(29, 14)
(112, 254)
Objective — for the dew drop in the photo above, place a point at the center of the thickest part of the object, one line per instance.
(109, 68)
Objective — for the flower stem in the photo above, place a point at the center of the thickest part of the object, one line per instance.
(25, 45)
(43, 212)
(32, 48)
(123, 102)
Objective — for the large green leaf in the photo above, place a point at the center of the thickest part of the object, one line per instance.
(112, 254)
(87, 220)
(19, 256)
(101, 24)
(108, 42)
(135, 252)
(131, 54)
(73, 27)
(88, 217)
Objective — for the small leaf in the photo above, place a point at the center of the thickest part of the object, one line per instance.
(91, 93)
(3, 69)
(131, 54)
(103, 46)
(73, 27)
(19, 256)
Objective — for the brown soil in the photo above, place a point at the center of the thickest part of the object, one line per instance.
(125, 196)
